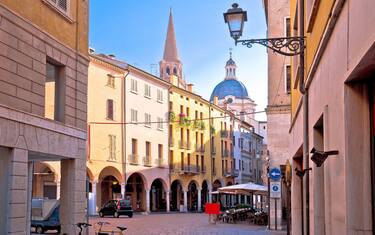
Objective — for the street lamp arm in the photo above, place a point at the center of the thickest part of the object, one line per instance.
(288, 46)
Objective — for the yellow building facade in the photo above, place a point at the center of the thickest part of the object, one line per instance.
(199, 161)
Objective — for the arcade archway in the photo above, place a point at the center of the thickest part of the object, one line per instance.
(192, 196)
(158, 196)
(136, 191)
(177, 199)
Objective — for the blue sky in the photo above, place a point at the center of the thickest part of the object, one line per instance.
(135, 31)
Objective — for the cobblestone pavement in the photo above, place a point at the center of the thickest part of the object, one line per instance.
(179, 224)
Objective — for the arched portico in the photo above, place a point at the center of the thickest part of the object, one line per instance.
(109, 185)
(45, 181)
(177, 199)
(205, 193)
(137, 192)
(158, 195)
(192, 196)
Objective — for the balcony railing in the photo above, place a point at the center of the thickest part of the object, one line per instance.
(203, 169)
(191, 169)
(224, 134)
(182, 144)
(232, 153)
(199, 148)
(147, 161)
(160, 162)
(213, 149)
(133, 159)
(175, 167)
(225, 153)
(245, 151)
(171, 142)
(188, 145)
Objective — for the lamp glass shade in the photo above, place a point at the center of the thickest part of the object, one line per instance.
(235, 17)
(235, 23)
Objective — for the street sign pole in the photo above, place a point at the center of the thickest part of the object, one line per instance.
(275, 213)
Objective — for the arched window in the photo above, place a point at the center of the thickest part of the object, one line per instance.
(168, 70)
(175, 70)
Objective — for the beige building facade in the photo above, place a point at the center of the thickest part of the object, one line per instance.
(278, 108)
(128, 135)
(339, 83)
(43, 95)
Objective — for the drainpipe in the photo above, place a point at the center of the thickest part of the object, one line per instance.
(304, 93)
(123, 125)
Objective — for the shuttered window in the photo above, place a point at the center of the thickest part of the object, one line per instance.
(112, 147)
(110, 109)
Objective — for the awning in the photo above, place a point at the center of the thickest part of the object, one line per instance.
(244, 189)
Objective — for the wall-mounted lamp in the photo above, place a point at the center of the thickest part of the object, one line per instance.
(302, 173)
(318, 157)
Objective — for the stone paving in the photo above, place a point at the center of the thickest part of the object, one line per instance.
(179, 224)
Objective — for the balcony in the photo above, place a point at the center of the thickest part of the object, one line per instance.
(245, 151)
(175, 167)
(191, 169)
(188, 145)
(231, 173)
(159, 162)
(171, 142)
(225, 153)
(182, 144)
(147, 161)
(133, 159)
(213, 150)
(199, 148)
(224, 134)
(203, 169)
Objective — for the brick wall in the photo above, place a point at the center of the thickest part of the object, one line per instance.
(24, 50)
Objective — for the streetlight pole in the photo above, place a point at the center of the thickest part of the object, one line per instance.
(287, 46)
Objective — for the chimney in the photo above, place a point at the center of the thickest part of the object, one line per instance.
(216, 100)
(190, 87)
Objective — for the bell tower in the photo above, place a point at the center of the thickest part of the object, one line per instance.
(171, 65)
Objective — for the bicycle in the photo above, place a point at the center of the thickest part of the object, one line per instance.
(106, 232)
(81, 226)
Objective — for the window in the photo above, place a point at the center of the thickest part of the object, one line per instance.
(287, 79)
(187, 111)
(160, 123)
(287, 27)
(148, 149)
(160, 96)
(61, 5)
(168, 70)
(147, 91)
(234, 140)
(54, 88)
(112, 147)
(147, 120)
(160, 151)
(110, 80)
(110, 109)
(175, 70)
(134, 86)
(134, 115)
(134, 146)
(171, 106)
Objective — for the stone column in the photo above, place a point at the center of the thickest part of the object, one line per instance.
(185, 200)
(19, 195)
(239, 199)
(210, 196)
(199, 200)
(245, 199)
(168, 202)
(73, 200)
(147, 200)
(93, 199)
(123, 190)
(58, 190)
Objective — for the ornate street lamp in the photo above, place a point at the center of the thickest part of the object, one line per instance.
(236, 18)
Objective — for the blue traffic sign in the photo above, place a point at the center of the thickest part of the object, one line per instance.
(275, 174)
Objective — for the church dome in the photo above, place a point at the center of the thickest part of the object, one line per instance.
(230, 87)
